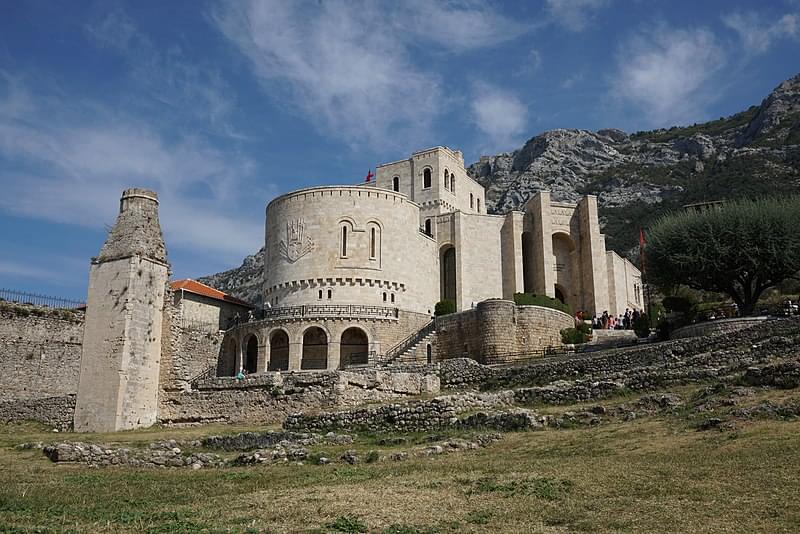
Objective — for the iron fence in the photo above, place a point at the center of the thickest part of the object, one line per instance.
(318, 310)
(22, 297)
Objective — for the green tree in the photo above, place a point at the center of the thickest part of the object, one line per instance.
(740, 249)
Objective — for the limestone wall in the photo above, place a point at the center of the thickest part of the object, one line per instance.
(499, 331)
(269, 398)
(306, 262)
(40, 351)
(197, 310)
(720, 326)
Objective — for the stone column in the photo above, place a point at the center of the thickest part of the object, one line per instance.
(263, 356)
(121, 354)
(593, 258)
(295, 354)
(511, 255)
(545, 279)
(334, 355)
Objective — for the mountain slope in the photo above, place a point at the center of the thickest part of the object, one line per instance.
(636, 177)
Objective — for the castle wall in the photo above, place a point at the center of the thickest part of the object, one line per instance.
(403, 268)
(199, 310)
(40, 351)
(479, 272)
(499, 331)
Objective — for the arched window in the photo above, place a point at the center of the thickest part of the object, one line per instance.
(320, 294)
(428, 230)
(384, 296)
(452, 183)
(344, 241)
(479, 205)
(396, 183)
(471, 201)
(446, 179)
(373, 239)
(330, 294)
(392, 297)
(426, 178)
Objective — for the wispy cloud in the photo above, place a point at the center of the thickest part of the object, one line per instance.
(166, 77)
(66, 161)
(347, 67)
(668, 74)
(499, 115)
(574, 15)
(758, 35)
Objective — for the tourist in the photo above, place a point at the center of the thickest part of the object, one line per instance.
(240, 375)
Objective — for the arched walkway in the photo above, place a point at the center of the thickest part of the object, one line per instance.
(315, 349)
(447, 278)
(279, 351)
(251, 356)
(354, 347)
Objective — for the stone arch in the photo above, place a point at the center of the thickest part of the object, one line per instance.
(396, 184)
(446, 179)
(315, 348)
(354, 347)
(346, 226)
(278, 350)
(428, 228)
(250, 346)
(528, 263)
(447, 273)
(426, 178)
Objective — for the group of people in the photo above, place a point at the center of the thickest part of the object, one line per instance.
(609, 322)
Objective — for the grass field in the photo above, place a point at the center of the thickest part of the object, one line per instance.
(653, 474)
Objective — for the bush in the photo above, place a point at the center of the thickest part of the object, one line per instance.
(573, 336)
(444, 307)
(372, 457)
(642, 326)
(527, 299)
(677, 304)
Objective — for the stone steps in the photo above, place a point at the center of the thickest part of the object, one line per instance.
(418, 351)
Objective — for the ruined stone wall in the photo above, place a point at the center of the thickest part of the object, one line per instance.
(719, 326)
(498, 331)
(270, 397)
(40, 352)
(53, 411)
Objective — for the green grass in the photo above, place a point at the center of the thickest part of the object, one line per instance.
(653, 474)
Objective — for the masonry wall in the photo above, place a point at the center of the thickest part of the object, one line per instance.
(198, 310)
(498, 331)
(40, 352)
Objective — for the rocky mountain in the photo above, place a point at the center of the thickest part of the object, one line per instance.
(640, 176)
(636, 177)
(243, 282)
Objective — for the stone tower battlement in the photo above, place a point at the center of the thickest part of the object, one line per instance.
(137, 231)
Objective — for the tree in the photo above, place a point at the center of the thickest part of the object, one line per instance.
(740, 249)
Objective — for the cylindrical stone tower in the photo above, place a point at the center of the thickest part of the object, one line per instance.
(118, 386)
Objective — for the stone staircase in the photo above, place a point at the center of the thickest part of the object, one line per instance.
(604, 339)
(414, 349)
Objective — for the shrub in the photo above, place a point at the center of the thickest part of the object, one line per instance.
(642, 326)
(527, 299)
(573, 336)
(372, 457)
(445, 307)
(348, 523)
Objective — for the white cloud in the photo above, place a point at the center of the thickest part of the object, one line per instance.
(500, 115)
(668, 74)
(347, 67)
(757, 35)
(575, 15)
(68, 162)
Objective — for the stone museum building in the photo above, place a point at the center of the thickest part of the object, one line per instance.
(353, 273)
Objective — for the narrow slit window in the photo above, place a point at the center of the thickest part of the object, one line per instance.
(320, 294)
(479, 205)
(372, 239)
(426, 178)
(396, 184)
(330, 294)
(471, 201)
(344, 241)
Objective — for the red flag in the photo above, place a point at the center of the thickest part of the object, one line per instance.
(369, 176)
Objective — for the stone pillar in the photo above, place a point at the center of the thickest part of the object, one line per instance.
(511, 254)
(120, 362)
(334, 355)
(263, 356)
(593, 258)
(545, 278)
(295, 354)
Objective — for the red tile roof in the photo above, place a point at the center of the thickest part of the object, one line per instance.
(193, 286)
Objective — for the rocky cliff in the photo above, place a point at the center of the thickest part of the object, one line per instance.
(636, 177)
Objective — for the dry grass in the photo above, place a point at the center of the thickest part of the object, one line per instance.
(650, 475)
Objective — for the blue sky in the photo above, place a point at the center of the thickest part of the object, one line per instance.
(220, 106)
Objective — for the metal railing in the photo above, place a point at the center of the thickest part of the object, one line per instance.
(21, 297)
(367, 357)
(407, 343)
(319, 310)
